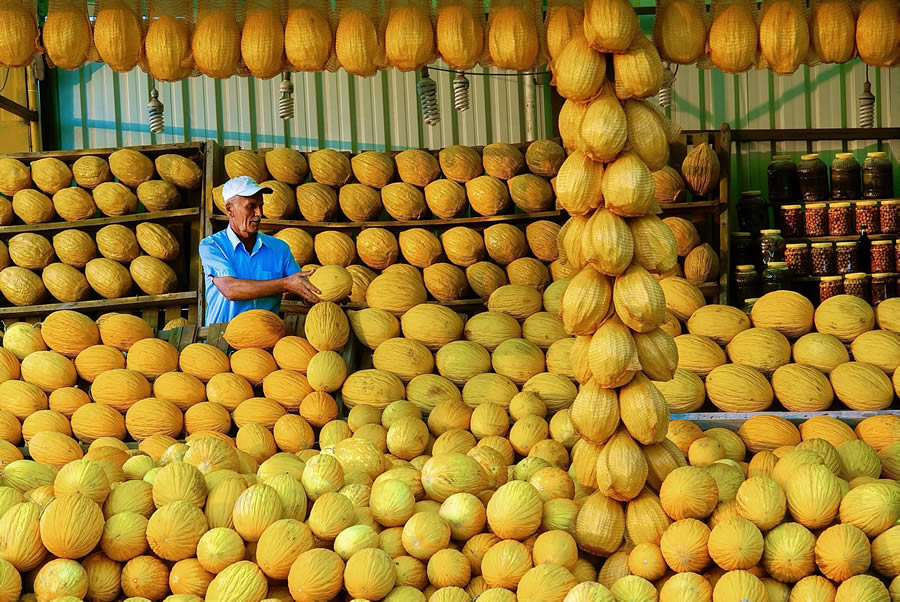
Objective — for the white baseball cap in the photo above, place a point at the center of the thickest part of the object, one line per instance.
(242, 186)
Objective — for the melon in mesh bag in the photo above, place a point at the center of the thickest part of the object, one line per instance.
(309, 36)
(167, 45)
(515, 34)
(67, 34)
(409, 34)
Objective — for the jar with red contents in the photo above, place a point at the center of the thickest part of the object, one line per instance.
(816, 219)
(867, 215)
(846, 260)
(791, 221)
(796, 255)
(883, 287)
(888, 215)
(829, 286)
(882, 256)
(857, 284)
(840, 219)
(822, 259)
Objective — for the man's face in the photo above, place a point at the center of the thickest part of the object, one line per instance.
(244, 213)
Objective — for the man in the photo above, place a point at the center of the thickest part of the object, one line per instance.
(244, 268)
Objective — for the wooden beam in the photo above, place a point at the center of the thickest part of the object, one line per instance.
(124, 303)
(815, 135)
(18, 110)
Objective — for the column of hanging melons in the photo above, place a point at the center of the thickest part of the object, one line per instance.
(615, 245)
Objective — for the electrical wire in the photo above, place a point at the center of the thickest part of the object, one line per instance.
(5, 80)
(477, 73)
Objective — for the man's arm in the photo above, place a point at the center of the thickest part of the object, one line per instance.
(240, 289)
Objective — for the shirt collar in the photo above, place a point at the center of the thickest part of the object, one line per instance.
(235, 241)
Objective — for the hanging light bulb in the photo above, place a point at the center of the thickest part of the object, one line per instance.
(461, 92)
(286, 103)
(667, 90)
(155, 110)
(866, 108)
(427, 90)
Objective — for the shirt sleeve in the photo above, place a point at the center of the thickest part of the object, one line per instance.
(215, 264)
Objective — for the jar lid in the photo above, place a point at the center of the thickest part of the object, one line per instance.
(844, 156)
(781, 157)
(884, 275)
(830, 278)
(839, 205)
(797, 245)
(847, 244)
(751, 300)
(770, 232)
(889, 202)
(882, 242)
(855, 276)
(809, 157)
(867, 203)
(816, 206)
(876, 155)
(790, 206)
(751, 193)
(745, 268)
(777, 264)
(740, 234)
(822, 245)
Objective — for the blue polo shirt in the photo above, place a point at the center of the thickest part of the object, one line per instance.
(223, 254)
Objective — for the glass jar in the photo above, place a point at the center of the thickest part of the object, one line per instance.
(857, 284)
(812, 179)
(888, 215)
(883, 287)
(840, 219)
(791, 221)
(748, 305)
(753, 212)
(845, 172)
(877, 177)
(816, 219)
(746, 282)
(867, 215)
(829, 286)
(782, 175)
(771, 246)
(796, 256)
(821, 259)
(742, 249)
(882, 256)
(845, 258)
(776, 277)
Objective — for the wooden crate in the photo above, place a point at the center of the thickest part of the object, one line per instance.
(185, 223)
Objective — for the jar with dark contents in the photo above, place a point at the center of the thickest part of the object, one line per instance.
(791, 221)
(845, 257)
(771, 246)
(753, 212)
(821, 258)
(888, 215)
(840, 219)
(857, 284)
(829, 286)
(882, 256)
(816, 219)
(796, 256)
(867, 215)
(782, 176)
(883, 287)
(845, 178)
(812, 179)
(742, 248)
(776, 277)
(746, 283)
(877, 177)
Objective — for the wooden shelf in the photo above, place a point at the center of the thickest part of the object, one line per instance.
(474, 221)
(733, 420)
(679, 207)
(850, 238)
(300, 307)
(123, 303)
(175, 215)
(814, 134)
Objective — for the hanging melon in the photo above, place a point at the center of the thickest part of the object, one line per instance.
(217, 43)
(733, 36)
(409, 37)
(262, 41)
(309, 38)
(832, 30)
(878, 33)
(610, 25)
(783, 35)
(513, 37)
(460, 34)
(679, 31)
(167, 47)
(18, 33)
(563, 23)
(118, 34)
(579, 70)
(67, 34)
(357, 43)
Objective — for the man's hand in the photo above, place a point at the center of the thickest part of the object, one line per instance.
(299, 285)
